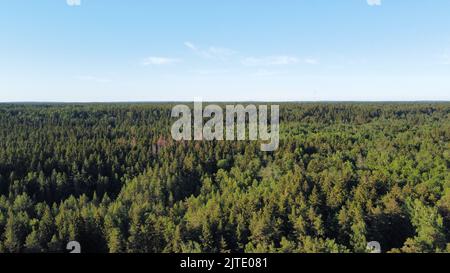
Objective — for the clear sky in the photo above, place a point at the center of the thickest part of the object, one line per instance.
(135, 50)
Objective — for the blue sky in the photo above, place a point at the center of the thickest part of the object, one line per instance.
(302, 50)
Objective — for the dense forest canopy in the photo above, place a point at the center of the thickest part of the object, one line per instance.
(111, 177)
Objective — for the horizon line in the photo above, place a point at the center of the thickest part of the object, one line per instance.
(224, 101)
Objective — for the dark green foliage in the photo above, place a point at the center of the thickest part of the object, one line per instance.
(111, 177)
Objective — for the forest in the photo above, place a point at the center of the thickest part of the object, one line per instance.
(111, 177)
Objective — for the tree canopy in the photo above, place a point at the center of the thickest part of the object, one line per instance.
(110, 177)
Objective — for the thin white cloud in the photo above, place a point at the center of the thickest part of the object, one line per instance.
(191, 46)
(92, 79)
(311, 61)
(159, 61)
(219, 53)
(211, 53)
(267, 73)
(374, 2)
(270, 61)
(73, 2)
(209, 72)
(445, 59)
